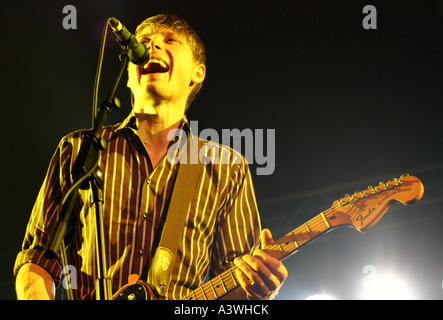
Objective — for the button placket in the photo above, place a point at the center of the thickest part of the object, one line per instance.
(145, 219)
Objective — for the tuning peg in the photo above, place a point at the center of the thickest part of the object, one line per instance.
(386, 187)
(404, 175)
(374, 190)
(363, 194)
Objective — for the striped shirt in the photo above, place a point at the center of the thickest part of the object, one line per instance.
(222, 221)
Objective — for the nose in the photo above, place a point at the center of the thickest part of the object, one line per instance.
(154, 43)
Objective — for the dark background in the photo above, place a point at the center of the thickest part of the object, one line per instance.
(350, 107)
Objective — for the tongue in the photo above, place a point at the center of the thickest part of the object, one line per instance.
(154, 67)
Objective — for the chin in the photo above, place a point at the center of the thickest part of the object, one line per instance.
(145, 108)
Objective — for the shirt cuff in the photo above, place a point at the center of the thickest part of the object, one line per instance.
(36, 256)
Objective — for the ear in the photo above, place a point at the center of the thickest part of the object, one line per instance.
(199, 74)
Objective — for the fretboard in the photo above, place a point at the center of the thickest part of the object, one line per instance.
(280, 249)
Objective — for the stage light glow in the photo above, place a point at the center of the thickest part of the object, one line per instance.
(386, 287)
(320, 297)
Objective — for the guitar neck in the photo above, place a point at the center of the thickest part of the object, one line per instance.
(294, 240)
(280, 249)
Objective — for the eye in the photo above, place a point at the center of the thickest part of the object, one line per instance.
(145, 42)
(172, 40)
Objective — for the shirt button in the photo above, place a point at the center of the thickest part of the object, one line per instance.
(141, 251)
(148, 181)
(145, 215)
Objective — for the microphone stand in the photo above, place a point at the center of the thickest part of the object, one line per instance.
(87, 174)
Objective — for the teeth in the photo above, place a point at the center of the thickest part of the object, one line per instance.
(160, 62)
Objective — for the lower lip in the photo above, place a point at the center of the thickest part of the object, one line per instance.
(157, 74)
(149, 77)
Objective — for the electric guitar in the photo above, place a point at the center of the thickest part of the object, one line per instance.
(362, 210)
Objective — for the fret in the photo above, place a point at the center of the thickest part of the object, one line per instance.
(233, 277)
(213, 289)
(309, 230)
(204, 294)
(223, 283)
(293, 239)
(281, 250)
(326, 221)
(193, 293)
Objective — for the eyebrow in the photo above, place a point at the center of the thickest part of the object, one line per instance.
(167, 32)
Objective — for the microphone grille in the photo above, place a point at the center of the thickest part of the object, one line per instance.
(115, 24)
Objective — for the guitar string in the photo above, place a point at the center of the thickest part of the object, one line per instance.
(315, 225)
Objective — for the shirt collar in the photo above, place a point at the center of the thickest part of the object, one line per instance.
(131, 122)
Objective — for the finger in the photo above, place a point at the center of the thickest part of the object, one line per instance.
(250, 280)
(268, 280)
(247, 285)
(275, 267)
(266, 238)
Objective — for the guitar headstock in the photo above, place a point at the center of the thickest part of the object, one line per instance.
(363, 209)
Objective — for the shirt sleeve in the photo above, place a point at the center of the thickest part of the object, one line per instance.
(44, 214)
(239, 225)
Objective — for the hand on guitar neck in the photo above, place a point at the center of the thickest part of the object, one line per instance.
(260, 275)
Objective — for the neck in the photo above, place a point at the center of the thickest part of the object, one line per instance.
(163, 112)
(156, 116)
(154, 127)
(154, 131)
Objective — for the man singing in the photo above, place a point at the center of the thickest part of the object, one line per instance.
(222, 226)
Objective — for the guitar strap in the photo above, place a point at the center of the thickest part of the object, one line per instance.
(160, 268)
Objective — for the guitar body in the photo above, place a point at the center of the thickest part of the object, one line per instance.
(136, 291)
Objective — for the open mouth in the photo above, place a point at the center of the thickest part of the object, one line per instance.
(154, 65)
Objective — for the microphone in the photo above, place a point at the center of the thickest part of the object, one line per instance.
(138, 53)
